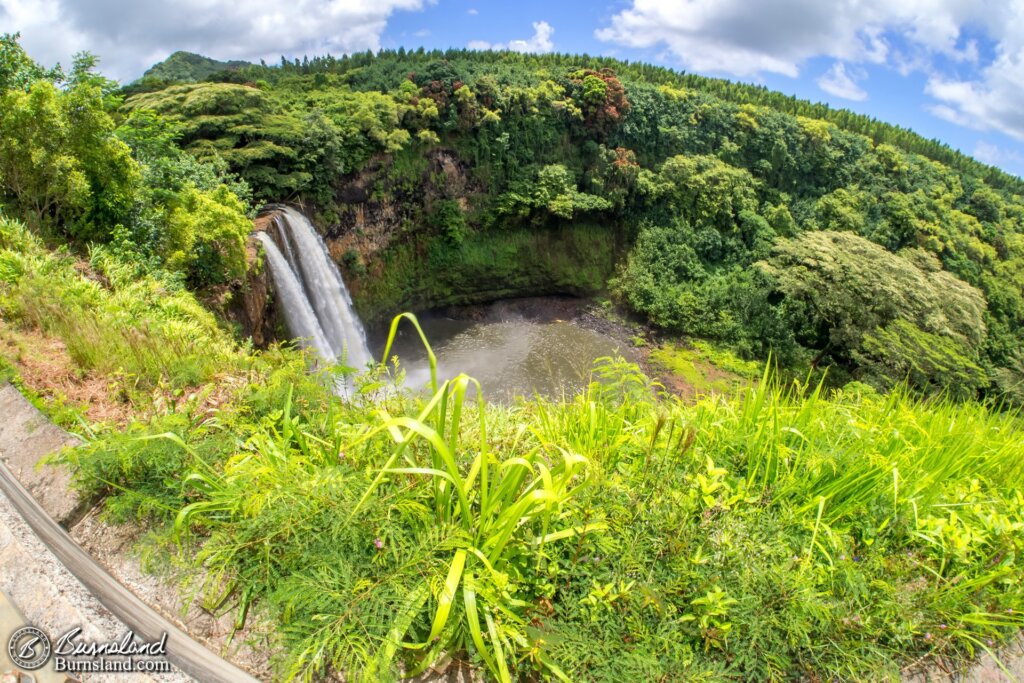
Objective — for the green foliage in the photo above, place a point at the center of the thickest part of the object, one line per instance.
(205, 236)
(603, 98)
(188, 67)
(838, 289)
(657, 275)
(143, 473)
(695, 179)
(190, 216)
(66, 170)
(449, 221)
(488, 71)
(61, 167)
(505, 512)
(556, 193)
(765, 535)
(18, 71)
(140, 472)
(705, 368)
(707, 191)
(145, 329)
(488, 265)
(928, 362)
(279, 147)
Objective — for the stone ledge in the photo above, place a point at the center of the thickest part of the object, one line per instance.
(48, 596)
(26, 436)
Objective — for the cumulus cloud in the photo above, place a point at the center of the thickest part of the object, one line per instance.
(539, 42)
(836, 81)
(129, 35)
(995, 155)
(743, 38)
(746, 39)
(992, 101)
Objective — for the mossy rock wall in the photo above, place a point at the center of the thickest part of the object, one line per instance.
(573, 259)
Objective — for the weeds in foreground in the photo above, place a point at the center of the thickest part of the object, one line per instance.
(777, 534)
(145, 329)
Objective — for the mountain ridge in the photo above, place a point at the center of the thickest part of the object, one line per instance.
(188, 67)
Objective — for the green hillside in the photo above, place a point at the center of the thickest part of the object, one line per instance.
(712, 191)
(188, 67)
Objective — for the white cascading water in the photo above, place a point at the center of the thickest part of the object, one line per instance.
(317, 307)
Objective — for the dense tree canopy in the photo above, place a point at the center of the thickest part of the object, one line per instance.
(767, 223)
(72, 163)
(60, 161)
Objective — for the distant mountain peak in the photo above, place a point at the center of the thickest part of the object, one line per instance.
(189, 67)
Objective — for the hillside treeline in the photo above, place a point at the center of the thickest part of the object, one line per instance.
(773, 225)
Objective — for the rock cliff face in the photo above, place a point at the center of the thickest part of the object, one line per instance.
(383, 233)
(396, 257)
(379, 204)
(252, 304)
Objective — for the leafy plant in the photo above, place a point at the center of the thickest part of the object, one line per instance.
(507, 512)
(711, 612)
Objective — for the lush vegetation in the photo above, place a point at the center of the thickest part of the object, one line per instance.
(775, 531)
(619, 535)
(75, 167)
(185, 67)
(734, 214)
(145, 329)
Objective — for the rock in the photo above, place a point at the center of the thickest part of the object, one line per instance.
(25, 437)
(251, 306)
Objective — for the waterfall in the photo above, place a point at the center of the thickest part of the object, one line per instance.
(317, 307)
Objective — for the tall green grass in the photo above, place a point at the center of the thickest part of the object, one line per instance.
(781, 533)
(112, 318)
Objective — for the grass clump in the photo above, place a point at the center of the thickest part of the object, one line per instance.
(776, 533)
(111, 315)
(704, 367)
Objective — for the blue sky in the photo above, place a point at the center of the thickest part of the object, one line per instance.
(948, 69)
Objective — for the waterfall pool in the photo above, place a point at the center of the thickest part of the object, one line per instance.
(513, 348)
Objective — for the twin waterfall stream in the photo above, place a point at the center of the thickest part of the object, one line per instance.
(316, 305)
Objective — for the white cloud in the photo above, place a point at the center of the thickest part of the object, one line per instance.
(129, 35)
(995, 155)
(747, 39)
(472, 11)
(540, 41)
(992, 101)
(836, 81)
(743, 38)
